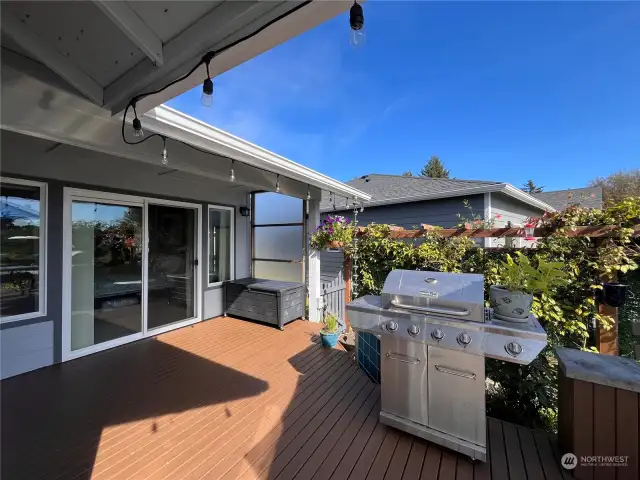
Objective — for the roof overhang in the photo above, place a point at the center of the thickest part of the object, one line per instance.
(505, 188)
(112, 51)
(39, 104)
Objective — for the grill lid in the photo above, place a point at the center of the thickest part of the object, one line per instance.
(454, 295)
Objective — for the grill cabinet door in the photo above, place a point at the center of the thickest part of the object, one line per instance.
(457, 394)
(404, 379)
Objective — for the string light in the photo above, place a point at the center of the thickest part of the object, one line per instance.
(278, 183)
(308, 192)
(232, 173)
(356, 21)
(207, 86)
(165, 158)
(137, 124)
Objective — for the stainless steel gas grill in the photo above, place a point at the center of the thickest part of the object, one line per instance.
(434, 332)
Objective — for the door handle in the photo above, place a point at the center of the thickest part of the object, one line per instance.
(441, 311)
(457, 373)
(403, 358)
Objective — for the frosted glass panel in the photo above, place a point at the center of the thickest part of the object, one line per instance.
(220, 239)
(276, 208)
(286, 272)
(280, 243)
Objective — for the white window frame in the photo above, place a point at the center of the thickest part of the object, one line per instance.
(232, 241)
(42, 253)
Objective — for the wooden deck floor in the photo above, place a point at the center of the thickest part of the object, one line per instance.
(228, 399)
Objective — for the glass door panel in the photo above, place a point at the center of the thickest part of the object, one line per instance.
(172, 265)
(106, 272)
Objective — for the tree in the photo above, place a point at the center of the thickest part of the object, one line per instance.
(407, 174)
(434, 168)
(531, 187)
(618, 186)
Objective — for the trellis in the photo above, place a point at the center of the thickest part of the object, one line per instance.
(606, 339)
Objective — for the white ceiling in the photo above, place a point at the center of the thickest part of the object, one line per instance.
(111, 51)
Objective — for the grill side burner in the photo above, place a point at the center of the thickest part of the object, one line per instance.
(432, 354)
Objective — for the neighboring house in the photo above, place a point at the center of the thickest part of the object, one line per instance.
(411, 201)
(589, 197)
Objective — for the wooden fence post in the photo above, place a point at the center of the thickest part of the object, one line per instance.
(607, 340)
(346, 271)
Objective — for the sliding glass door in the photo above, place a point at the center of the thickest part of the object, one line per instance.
(131, 269)
(106, 272)
(172, 265)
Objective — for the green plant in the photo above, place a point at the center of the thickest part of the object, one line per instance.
(473, 220)
(525, 394)
(520, 275)
(331, 324)
(333, 229)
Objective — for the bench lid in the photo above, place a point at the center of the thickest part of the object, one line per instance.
(265, 285)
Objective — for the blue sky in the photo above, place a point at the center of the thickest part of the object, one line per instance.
(500, 91)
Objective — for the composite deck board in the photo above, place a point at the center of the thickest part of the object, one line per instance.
(231, 399)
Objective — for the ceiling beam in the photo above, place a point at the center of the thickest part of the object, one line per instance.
(52, 58)
(127, 20)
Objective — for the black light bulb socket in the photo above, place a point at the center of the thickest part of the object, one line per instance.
(137, 124)
(356, 16)
(207, 87)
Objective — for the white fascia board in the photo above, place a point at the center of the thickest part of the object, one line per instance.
(505, 188)
(175, 124)
(526, 198)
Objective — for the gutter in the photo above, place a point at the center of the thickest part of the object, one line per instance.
(505, 188)
(175, 124)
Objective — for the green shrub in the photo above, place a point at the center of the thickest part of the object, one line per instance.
(331, 324)
(525, 394)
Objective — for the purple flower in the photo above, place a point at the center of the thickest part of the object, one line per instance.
(347, 221)
(330, 230)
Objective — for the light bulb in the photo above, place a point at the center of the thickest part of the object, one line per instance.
(308, 194)
(357, 38)
(278, 185)
(356, 22)
(232, 174)
(207, 93)
(137, 128)
(165, 157)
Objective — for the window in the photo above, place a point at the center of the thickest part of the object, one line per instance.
(221, 221)
(22, 249)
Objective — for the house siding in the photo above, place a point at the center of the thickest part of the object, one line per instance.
(511, 210)
(37, 342)
(439, 212)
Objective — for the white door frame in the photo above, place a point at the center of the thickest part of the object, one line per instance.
(71, 194)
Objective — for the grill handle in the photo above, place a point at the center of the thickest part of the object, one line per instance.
(457, 373)
(403, 358)
(441, 311)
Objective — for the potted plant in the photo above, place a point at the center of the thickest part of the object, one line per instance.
(512, 299)
(335, 231)
(330, 332)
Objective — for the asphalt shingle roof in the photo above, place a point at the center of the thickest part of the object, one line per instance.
(390, 187)
(590, 197)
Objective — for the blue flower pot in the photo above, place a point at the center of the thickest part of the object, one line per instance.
(329, 340)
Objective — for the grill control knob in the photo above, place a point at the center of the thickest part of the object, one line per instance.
(392, 326)
(513, 348)
(464, 339)
(437, 334)
(413, 330)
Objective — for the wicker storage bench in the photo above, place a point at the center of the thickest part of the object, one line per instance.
(268, 301)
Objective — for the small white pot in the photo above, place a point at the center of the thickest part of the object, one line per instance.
(514, 306)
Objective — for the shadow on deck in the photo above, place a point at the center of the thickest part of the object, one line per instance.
(230, 399)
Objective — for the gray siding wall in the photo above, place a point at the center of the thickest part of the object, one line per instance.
(440, 212)
(514, 211)
(34, 343)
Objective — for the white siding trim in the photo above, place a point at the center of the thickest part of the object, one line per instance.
(487, 215)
